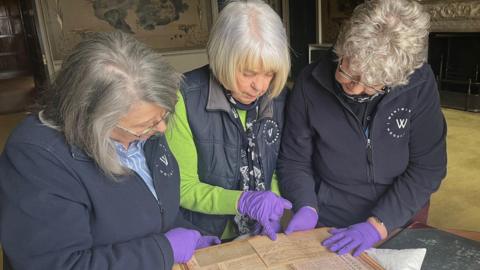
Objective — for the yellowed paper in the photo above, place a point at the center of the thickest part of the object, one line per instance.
(301, 250)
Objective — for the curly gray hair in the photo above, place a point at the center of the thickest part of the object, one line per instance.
(97, 84)
(385, 41)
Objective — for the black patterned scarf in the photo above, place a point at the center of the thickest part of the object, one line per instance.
(251, 169)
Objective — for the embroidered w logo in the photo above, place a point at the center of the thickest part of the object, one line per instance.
(401, 123)
(164, 160)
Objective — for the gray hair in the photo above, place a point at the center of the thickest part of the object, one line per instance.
(385, 41)
(97, 84)
(247, 34)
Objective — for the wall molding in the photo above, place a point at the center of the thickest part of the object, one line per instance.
(453, 15)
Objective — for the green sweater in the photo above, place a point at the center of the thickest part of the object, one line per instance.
(195, 195)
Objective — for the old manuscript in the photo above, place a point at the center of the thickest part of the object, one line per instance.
(300, 250)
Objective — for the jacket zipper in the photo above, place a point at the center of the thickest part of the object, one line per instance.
(159, 203)
(368, 141)
(370, 161)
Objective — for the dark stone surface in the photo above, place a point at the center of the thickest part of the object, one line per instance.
(444, 250)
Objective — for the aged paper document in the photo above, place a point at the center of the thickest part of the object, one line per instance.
(298, 251)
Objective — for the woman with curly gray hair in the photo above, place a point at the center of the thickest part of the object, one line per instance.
(363, 146)
(89, 181)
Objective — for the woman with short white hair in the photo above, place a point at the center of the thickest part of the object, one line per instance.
(226, 132)
(89, 182)
(363, 146)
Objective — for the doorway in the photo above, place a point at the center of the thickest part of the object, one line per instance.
(19, 65)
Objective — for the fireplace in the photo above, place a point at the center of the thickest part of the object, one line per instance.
(455, 60)
(454, 51)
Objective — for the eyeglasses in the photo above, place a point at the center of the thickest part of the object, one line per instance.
(369, 89)
(147, 130)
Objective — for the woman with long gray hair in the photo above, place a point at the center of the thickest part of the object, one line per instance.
(364, 141)
(89, 182)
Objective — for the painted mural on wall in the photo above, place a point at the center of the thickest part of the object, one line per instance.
(149, 13)
(166, 25)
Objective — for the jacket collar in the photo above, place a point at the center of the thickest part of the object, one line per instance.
(324, 74)
(217, 100)
(79, 154)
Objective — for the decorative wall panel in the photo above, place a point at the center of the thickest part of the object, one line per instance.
(453, 15)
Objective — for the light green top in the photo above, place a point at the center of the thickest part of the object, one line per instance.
(195, 195)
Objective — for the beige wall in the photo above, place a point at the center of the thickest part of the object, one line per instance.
(182, 61)
(187, 60)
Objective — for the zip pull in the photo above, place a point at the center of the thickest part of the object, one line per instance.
(162, 212)
(369, 151)
(161, 208)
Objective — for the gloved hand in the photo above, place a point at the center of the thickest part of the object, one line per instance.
(264, 207)
(304, 219)
(360, 237)
(183, 242)
(206, 241)
(275, 225)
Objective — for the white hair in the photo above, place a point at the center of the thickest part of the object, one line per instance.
(249, 34)
(385, 41)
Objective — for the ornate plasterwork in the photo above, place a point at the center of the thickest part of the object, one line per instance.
(454, 15)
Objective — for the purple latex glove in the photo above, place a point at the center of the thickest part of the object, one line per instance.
(360, 237)
(264, 207)
(274, 224)
(183, 242)
(304, 219)
(206, 241)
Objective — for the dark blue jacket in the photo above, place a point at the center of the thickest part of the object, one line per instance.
(328, 162)
(59, 211)
(218, 140)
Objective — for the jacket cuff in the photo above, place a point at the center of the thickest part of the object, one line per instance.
(231, 200)
(387, 222)
(274, 185)
(165, 250)
(301, 202)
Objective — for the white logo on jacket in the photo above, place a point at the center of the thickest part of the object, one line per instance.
(164, 160)
(401, 123)
(164, 166)
(271, 132)
(398, 122)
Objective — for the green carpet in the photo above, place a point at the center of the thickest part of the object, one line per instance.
(7, 124)
(457, 203)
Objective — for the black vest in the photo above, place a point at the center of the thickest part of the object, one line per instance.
(218, 140)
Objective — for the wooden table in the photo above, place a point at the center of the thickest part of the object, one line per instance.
(466, 234)
(472, 235)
